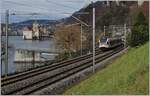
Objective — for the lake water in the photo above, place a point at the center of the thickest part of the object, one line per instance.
(22, 50)
(18, 42)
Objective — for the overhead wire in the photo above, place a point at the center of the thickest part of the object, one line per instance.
(22, 4)
(59, 4)
(32, 14)
(26, 5)
(86, 2)
(74, 1)
(31, 6)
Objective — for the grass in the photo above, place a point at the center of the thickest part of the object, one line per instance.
(128, 74)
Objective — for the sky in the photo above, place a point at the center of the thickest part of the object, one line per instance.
(48, 9)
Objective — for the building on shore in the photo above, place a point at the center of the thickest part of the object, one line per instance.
(27, 33)
(36, 32)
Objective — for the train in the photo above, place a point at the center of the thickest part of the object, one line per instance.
(106, 43)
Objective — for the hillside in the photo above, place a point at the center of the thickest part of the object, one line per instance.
(110, 14)
(127, 74)
(20, 25)
(40, 21)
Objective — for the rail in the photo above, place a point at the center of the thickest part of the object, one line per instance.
(42, 77)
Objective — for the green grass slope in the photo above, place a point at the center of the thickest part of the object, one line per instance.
(128, 74)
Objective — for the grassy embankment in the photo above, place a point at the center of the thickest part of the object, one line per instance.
(128, 74)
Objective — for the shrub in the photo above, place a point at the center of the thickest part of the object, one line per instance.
(140, 31)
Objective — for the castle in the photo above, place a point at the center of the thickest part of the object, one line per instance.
(34, 32)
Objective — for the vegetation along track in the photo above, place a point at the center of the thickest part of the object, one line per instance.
(57, 75)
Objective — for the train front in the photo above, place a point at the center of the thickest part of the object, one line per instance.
(103, 43)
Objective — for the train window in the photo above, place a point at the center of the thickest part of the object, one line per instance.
(103, 39)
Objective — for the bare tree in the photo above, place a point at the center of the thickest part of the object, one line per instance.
(68, 37)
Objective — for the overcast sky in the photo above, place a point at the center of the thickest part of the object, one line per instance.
(50, 9)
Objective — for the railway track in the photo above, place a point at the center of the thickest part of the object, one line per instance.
(21, 76)
(54, 73)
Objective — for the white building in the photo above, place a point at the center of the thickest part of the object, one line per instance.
(27, 33)
(31, 33)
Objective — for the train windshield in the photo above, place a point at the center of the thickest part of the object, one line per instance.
(103, 39)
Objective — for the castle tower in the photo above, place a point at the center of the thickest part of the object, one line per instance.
(35, 29)
(35, 26)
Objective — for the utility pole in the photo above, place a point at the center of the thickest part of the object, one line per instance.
(113, 32)
(33, 58)
(81, 38)
(125, 34)
(6, 49)
(93, 37)
(104, 31)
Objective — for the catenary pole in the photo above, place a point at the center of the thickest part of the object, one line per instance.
(125, 34)
(6, 49)
(104, 30)
(81, 37)
(93, 37)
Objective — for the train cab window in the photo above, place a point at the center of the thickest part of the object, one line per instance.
(103, 39)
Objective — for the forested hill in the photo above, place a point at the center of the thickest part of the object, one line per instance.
(110, 13)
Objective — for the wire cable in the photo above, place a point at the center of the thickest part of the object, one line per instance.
(42, 8)
(26, 5)
(59, 4)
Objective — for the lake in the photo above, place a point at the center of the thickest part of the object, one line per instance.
(22, 50)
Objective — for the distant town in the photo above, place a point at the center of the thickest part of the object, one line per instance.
(31, 29)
